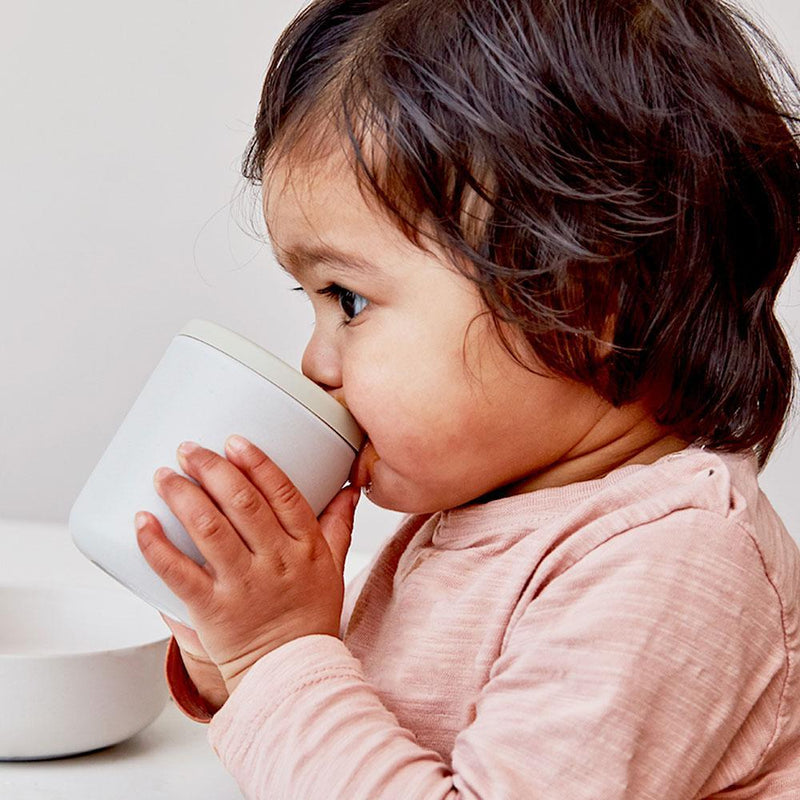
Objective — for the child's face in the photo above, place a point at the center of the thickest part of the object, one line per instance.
(411, 351)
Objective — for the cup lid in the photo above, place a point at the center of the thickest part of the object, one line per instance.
(279, 373)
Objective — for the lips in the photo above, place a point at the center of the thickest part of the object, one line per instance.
(360, 472)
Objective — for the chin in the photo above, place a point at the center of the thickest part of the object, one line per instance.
(408, 501)
(395, 504)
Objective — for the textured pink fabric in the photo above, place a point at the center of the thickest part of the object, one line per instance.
(630, 637)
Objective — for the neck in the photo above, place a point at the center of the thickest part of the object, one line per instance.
(622, 437)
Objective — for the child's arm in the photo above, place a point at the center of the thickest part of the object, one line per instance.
(194, 681)
(196, 684)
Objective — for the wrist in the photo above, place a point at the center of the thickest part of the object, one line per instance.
(233, 671)
(206, 678)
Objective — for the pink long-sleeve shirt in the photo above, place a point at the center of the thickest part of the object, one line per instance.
(629, 637)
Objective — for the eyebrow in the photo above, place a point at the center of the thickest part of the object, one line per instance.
(304, 258)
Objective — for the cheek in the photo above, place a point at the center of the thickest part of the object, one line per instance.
(411, 393)
(415, 425)
(386, 399)
(385, 408)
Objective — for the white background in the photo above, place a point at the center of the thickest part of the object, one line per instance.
(122, 129)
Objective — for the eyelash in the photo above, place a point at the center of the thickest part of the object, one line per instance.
(337, 292)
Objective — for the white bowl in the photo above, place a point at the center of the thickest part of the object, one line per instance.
(80, 669)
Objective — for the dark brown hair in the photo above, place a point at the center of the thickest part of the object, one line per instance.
(621, 178)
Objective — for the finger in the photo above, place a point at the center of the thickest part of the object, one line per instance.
(336, 522)
(215, 537)
(184, 576)
(291, 509)
(242, 503)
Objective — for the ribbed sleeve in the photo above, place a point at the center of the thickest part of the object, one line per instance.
(304, 722)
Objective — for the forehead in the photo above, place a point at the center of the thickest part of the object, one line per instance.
(296, 192)
(310, 211)
(317, 213)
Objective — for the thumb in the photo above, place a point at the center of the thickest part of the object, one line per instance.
(336, 522)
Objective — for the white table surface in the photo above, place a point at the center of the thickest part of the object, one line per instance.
(170, 759)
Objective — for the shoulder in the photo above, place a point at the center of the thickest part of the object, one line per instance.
(701, 507)
(680, 569)
(690, 543)
(691, 505)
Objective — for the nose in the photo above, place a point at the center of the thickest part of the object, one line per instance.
(322, 365)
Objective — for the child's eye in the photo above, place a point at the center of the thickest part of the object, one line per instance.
(351, 303)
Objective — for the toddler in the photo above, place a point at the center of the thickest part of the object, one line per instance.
(543, 241)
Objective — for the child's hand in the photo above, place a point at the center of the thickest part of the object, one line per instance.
(273, 572)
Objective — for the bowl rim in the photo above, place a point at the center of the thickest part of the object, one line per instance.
(83, 653)
(280, 374)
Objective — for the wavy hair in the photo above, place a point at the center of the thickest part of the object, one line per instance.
(620, 179)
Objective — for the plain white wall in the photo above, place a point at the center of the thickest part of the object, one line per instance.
(122, 130)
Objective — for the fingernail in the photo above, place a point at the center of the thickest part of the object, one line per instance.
(140, 520)
(187, 448)
(237, 444)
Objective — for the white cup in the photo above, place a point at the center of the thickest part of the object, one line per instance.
(210, 383)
